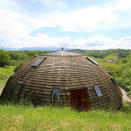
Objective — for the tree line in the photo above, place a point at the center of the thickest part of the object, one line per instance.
(122, 53)
(17, 58)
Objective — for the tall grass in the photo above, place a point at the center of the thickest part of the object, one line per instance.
(28, 118)
(5, 73)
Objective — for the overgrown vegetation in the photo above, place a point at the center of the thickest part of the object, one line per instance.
(62, 119)
(5, 74)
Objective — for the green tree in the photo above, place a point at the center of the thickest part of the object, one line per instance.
(4, 58)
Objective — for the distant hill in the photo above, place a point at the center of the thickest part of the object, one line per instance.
(35, 48)
(120, 53)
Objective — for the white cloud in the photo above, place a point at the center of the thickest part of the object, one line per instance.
(96, 42)
(124, 43)
(123, 5)
(16, 27)
(89, 19)
(58, 4)
(13, 25)
(43, 40)
(85, 20)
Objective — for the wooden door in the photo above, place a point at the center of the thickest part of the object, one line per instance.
(79, 99)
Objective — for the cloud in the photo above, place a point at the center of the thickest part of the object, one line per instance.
(123, 5)
(124, 43)
(93, 18)
(97, 42)
(84, 20)
(16, 26)
(40, 40)
(57, 4)
(11, 22)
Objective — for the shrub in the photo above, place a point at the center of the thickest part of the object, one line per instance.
(4, 58)
(17, 67)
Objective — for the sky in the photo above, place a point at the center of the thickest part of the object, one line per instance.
(79, 24)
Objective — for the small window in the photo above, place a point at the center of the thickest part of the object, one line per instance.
(113, 80)
(98, 91)
(18, 88)
(38, 62)
(93, 61)
(55, 95)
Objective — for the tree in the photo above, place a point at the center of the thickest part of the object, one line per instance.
(4, 58)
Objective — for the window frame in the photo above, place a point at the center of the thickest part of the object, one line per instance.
(38, 62)
(93, 61)
(56, 89)
(113, 81)
(97, 91)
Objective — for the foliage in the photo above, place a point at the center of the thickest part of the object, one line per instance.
(120, 70)
(103, 53)
(4, 58)
(18, 67)
(62, 119)
(111, 57)
(17, 58)
(5, 74)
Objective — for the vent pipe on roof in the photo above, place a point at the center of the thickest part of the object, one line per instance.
(62, 51)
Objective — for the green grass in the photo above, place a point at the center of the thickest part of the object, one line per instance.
(112, 56)
(62, 119)
(5, 74)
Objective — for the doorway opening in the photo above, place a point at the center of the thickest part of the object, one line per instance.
(79, 99)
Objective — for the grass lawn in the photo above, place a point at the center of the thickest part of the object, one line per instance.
(13, 118)
(5, 74)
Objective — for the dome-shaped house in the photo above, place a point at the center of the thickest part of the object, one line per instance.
(63, 77)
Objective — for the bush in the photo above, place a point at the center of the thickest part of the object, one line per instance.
(4, 58)
(18, 67)
(123, 85)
